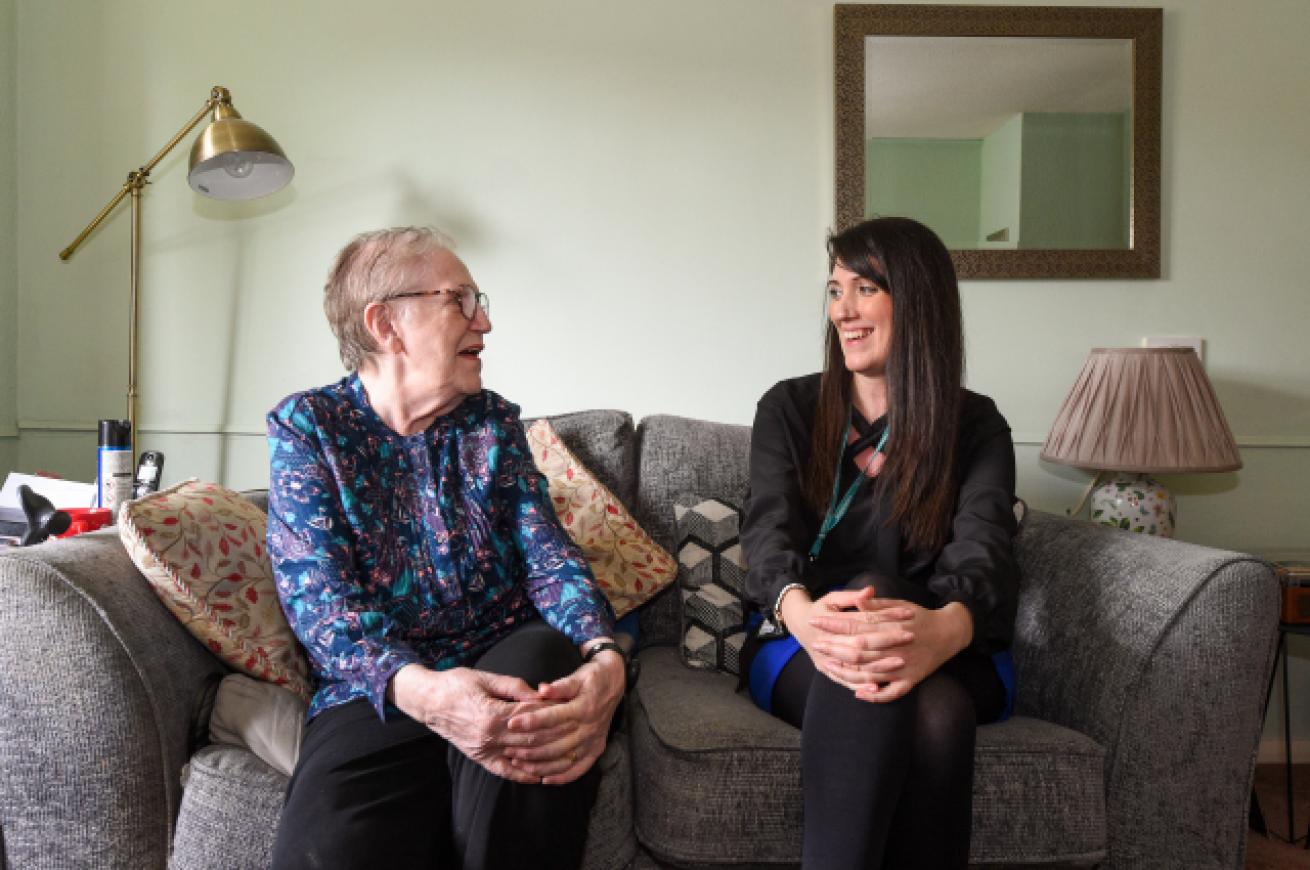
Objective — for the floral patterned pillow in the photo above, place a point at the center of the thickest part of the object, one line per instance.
(201, 546)
(630, 567)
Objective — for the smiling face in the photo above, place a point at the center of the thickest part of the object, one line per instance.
(439, 345)
(861, 312)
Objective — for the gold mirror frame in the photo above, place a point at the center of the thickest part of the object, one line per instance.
(852, 23)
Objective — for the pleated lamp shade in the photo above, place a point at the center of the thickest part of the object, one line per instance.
(1142, 410)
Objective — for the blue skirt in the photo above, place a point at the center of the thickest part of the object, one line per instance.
(773, 655)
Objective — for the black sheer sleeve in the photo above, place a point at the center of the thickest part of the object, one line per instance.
(778, 527)
(977, 566)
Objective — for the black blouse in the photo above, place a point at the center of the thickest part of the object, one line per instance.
(976, 566)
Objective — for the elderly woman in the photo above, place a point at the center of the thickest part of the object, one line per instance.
(466, 679)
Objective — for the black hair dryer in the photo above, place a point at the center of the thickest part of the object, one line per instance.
(42, 518)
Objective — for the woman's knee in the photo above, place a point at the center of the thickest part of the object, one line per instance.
(832, 712)
(945, 714)
(535, 653)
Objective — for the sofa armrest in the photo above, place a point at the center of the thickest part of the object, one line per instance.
(99, 692)
(1160, 651)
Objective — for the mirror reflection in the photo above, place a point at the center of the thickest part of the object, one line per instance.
(1002, 142)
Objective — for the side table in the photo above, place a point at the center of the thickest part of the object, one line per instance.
(1284, 629)
(1293, 570)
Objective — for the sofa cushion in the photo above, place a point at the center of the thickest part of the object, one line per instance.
(711, 583)
(677, 456)
(264, 718)
(605, 442)
(232, 802)
(718, 780)
(629, 566)
(201, 546)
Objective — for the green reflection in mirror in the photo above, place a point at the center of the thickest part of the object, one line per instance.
(1002, 143)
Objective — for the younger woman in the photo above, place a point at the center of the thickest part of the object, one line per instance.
(878, 536)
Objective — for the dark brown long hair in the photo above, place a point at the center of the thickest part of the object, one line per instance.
(925, 372)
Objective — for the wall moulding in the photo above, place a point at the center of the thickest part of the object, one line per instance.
(90, 427)
(1021, 439)
(1278, 442)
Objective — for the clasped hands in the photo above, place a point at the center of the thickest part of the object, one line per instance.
(551, 734)
(880, 648)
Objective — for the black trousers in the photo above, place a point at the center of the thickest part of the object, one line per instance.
(889, 785)
(369, 794)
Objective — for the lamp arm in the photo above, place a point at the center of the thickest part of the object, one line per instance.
(137, 178)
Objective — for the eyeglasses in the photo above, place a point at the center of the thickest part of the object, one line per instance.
(470, 298)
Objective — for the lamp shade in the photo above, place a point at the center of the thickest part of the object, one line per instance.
(235, 159)
(1142, 410)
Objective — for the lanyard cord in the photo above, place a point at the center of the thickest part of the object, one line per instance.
(837, 509)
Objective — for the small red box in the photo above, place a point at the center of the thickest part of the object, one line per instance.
(86, 520)
(1294, 577)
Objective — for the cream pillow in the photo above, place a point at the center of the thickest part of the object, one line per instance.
(629, 566)
(266, 719)
(201, 546)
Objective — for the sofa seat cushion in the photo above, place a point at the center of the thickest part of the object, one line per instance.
(232, 802)
(718, 780)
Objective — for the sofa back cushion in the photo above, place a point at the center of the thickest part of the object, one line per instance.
(679, 457)
(605, 442)
(201, 547)
(630, 567)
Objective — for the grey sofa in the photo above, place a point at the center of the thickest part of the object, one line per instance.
(1141, 663)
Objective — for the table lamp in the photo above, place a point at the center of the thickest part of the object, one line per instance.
(231, 159)
(1135, 411)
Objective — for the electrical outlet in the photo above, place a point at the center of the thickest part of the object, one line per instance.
(1195, 342)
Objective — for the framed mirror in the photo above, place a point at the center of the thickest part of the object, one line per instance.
(1028, 138)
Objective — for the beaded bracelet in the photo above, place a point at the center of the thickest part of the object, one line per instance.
(777, 604)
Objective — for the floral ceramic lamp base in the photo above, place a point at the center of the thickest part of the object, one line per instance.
(1135, 503)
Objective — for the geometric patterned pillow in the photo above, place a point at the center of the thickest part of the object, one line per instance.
(711, 580)
(201, 547)
(630, 568)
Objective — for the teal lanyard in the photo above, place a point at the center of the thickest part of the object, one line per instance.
(837, 509)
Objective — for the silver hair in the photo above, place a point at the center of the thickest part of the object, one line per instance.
(373, 267)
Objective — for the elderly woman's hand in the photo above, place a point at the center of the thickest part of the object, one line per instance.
(471, 709)
(569, 734)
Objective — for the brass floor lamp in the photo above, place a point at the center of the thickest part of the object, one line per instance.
(231, 159)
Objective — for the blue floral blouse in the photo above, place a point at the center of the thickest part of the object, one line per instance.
(390, 550)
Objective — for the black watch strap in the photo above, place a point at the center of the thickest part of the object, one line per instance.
(631, 667)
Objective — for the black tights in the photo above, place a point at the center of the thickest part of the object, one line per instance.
(367, 793)
(888, 784)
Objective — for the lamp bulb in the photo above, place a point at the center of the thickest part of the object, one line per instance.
(238, 164)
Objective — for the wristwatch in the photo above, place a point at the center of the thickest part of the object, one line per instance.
(631, 664)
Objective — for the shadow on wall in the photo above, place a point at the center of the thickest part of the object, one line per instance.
(402, 200)
(394, 194)
(430, 208)
(1243, 400)
(239, 210)
(1288, 412)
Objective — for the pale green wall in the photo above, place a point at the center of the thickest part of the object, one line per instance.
(644, 197)
(8, 264)
(935, 181)
(1001, 188)
(1074, 158)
